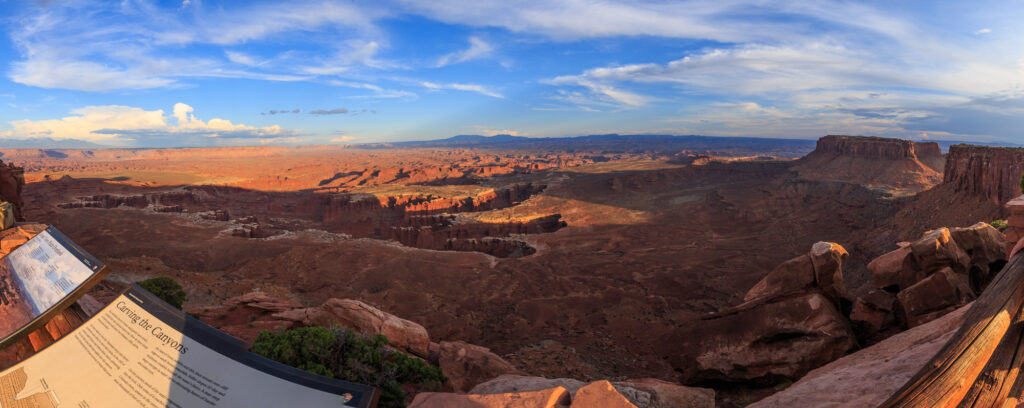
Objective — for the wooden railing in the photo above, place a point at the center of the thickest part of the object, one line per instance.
(981, 364)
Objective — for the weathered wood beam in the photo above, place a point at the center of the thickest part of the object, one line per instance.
(980, 366)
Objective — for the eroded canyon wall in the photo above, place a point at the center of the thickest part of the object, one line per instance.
(12, 180)
(991, 173)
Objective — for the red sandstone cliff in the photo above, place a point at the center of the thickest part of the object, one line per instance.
(890, 164)
(930, 154)
(990, 173)
(12, 179)
(868, 147)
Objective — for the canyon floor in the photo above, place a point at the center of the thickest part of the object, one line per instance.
(580, 263)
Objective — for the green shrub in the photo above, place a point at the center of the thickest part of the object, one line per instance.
(165, 288)
(1000, 225)
(341, 353)
(1022, 183)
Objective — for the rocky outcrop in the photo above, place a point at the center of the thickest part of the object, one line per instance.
(166, 199)
(343, 209)
(549, 398)
(245, 316)
(869, 376)
(643, 393)
(931, 276)
(821, 268)
(992, 173)
(365, 319)
(873, 312)
(982, 243)
(12, 180)
(467, 365)
(452, 235)
(778, 338)
(600, 394)
(789, 323)
(12, 238)
(891, 164)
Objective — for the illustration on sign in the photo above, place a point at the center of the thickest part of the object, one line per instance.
(41, 274)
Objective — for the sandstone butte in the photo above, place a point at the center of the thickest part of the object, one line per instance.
(884, 251)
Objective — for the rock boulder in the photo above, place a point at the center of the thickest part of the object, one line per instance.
(820, 268)
(365, 319)
(986, 248)
(934, 296)
(467, 365)
(549, 398)
(783, 338)
(894, 270)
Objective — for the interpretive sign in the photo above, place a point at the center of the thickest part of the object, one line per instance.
(40, 278)
(141, 352)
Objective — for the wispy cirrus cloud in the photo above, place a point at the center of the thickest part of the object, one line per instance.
(480, 89)
(478, 48)
(336, 111)
(99, 46)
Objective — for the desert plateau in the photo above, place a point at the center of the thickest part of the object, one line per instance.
(586, 262)
(551, 204)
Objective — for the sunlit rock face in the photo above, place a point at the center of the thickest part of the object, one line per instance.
(12, 179)
(992, 173)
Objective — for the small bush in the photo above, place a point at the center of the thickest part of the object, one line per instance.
(165, 288)
(343, 354)
(1022, 183)
(1000, 225)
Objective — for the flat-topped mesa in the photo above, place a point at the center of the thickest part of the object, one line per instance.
(869, 147)
(900, 166)
(991, 173)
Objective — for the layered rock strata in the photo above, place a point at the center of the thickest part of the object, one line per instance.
(12, 180)
(992, 173)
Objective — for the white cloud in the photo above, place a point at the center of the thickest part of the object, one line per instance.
(462, 87)
(240, 58)
(983, 31)
(115, 123)
(344, 139)
(601, 93)
(493, 132)
(478, 48)
(235, 26)
(789, 71)
(104, 46)
(57, 73)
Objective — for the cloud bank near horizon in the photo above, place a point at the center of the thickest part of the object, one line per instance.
(121, 125)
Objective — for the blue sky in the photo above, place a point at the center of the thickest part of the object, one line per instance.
(198, 73)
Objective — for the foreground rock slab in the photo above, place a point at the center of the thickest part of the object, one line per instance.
(549, 398)
(643, 393)
(870, 376)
